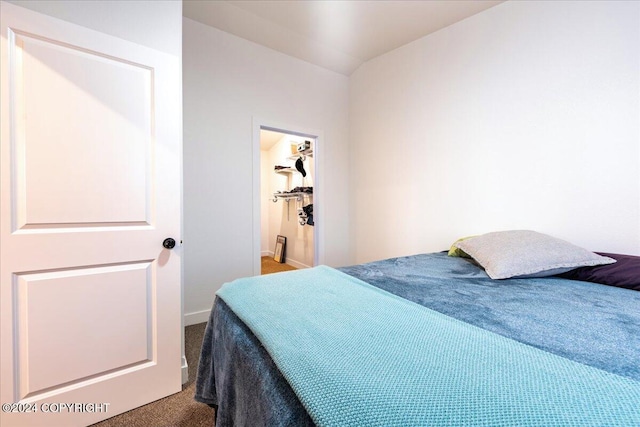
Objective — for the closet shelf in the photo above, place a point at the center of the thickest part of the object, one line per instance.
(308, 152)
(285, 171)
(288, 196)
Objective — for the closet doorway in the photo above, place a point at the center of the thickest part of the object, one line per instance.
(288, 198)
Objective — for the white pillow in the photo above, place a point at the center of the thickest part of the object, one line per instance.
(525, 253)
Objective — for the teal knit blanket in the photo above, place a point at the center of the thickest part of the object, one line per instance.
(356, 355)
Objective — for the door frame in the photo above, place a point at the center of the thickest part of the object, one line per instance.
(318, 194)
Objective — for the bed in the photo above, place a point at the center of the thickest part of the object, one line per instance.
(427, 339)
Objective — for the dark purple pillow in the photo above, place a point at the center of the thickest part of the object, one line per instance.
(624, 273)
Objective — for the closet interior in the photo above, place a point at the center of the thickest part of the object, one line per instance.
(286, 182)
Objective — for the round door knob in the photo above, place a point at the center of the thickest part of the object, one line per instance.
(169, 243)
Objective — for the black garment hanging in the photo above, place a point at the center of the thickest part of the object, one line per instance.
(300, 167)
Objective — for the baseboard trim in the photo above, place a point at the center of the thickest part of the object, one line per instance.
(291, 262)
(185, 370)
(196, 317)
(296, 264)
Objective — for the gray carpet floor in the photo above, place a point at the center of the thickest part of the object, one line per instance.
(177, 410)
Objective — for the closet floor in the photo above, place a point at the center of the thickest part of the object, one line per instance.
(270, 266)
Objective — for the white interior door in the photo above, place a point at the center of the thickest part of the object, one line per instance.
(90, 164)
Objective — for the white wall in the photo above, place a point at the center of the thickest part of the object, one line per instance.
(227, 82)
(525, 116)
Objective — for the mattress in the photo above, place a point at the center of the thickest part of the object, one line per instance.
(583, 322)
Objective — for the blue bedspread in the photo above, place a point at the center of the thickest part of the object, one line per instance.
(589, 323)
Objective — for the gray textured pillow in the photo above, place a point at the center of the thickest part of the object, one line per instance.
(525, 253)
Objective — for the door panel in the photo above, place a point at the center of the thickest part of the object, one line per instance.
(109, 154)
(89, 298)
(49, 352)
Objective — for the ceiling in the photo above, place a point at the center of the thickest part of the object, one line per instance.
(337, 35)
